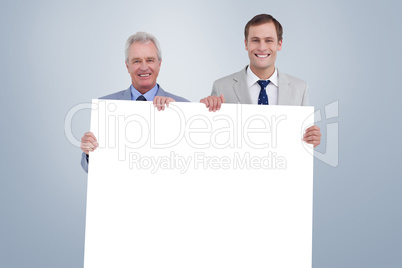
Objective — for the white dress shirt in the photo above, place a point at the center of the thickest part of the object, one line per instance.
(254, 88)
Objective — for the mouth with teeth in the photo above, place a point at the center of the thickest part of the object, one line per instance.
(144, 75)
(262, 55)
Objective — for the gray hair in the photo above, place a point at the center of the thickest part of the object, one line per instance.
(143, 38)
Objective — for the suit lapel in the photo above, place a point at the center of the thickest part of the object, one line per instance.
(240, 87)
(126, 94)
(161, 92)
(284, 89)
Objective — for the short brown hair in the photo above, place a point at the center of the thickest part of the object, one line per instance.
(261, 19)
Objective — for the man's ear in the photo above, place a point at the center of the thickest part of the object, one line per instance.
(127, 66)
(245, 44)
(280, 45)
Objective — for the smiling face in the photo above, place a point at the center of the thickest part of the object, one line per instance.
(143, 65)
(262, 45)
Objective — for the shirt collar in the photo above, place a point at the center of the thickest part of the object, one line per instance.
(149, 95)
(252, 78)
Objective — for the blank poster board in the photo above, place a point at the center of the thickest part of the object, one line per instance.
(186, 187)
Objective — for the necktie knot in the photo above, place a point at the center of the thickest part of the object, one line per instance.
(263, 83)
(141, 98)
(263, 97)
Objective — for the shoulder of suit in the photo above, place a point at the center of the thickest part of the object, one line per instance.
(114, 96)
(177, 98)
(163, 92)
(290, 78)
(232, 77)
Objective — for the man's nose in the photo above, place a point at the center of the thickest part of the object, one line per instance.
(262, 46)
(144, 65)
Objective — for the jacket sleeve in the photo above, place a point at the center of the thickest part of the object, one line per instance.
(215, 91)
(305, 101)
(84, 162)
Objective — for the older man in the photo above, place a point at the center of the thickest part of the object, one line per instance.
(143, 62)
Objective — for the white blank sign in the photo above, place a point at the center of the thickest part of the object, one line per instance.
(186, 187)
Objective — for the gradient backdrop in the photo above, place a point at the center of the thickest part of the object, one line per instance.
(58, 54)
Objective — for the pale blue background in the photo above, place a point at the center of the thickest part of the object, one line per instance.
(57, 54)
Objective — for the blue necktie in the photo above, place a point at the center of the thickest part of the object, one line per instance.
(141, 98)
(263, 98)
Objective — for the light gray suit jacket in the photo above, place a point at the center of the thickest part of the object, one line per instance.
(291, 90)
(126, 95)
